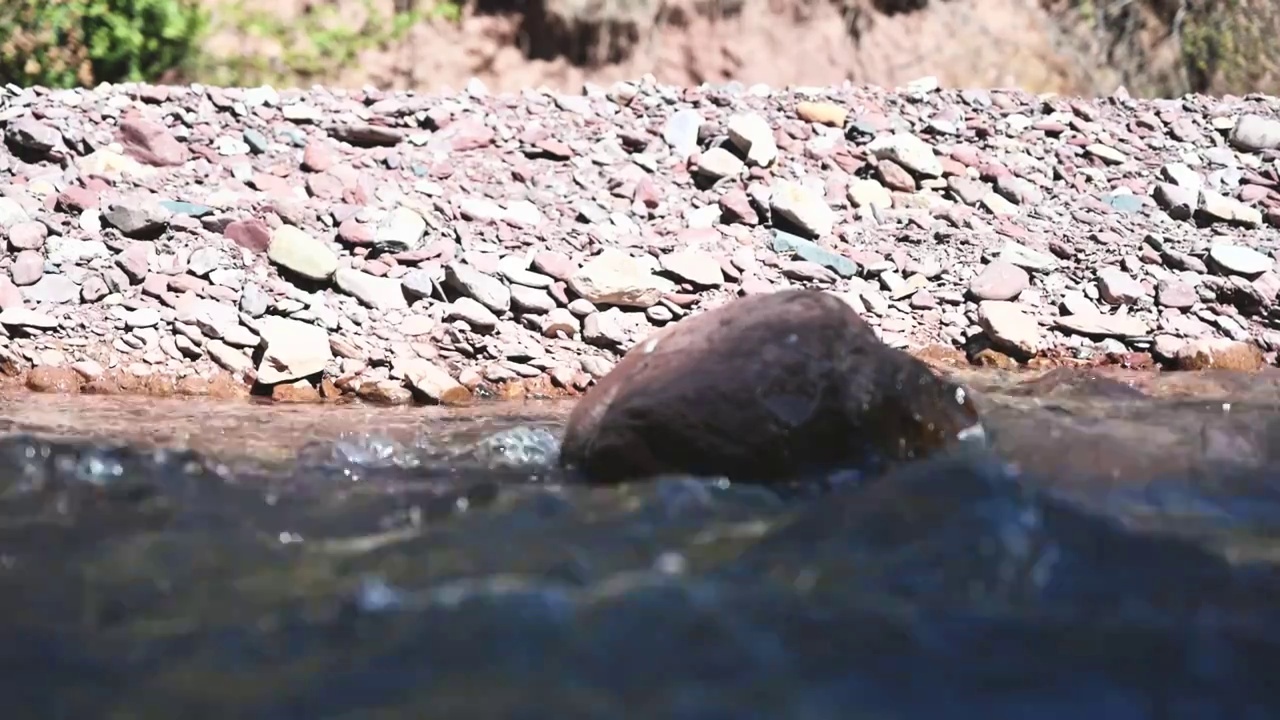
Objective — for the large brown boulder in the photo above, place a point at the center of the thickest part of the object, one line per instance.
(763, 389)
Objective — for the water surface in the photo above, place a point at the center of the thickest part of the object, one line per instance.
(1114, 556)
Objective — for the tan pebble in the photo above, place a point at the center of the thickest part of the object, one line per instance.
(50, 379)
(299, 391)
(823, 113)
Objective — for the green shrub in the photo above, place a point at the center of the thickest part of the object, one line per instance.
(66, 43)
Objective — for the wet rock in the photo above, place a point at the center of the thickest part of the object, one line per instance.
(385, 392)
(434, 383)
(762, 389)
(297, 392)
(53, 379)
(1218, 354)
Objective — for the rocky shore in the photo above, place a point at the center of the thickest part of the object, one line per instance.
(323, 243)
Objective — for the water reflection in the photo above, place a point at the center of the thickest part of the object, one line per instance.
(1114, 556)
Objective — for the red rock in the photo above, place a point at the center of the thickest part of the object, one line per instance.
(76, 199)
(252, 234)
(763, 388)
(317, 157)
(151, 144)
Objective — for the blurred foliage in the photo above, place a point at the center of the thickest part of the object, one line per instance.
(1231, 46)
(309, 47)
(66, 43)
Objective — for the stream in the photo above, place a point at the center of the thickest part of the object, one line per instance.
(1113, 554)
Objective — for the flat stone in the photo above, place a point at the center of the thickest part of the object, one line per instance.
(908, 151)
(803, 208)
(1027, 258)
(1118, 287)
(52, 288)
(433, 382)
(137, 220)
(482, 287)
(22, 317)
(375, 292)
(294, 350)
(823, 113)
(1176, 294)
(693, 266)
(1100, 325)
(1228, 210)
(1009, 328)
(531, 300)
(294, 249)
(785, 243)
(718, 163)
(999, 280)
(864, 192)
(1240, 260)
(615, 278)
(473, 313)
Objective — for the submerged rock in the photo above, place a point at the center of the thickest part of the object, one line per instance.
(763, 389)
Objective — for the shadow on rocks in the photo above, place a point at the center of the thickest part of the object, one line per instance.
(765, 388)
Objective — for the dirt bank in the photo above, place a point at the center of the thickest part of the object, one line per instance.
(1066, 46)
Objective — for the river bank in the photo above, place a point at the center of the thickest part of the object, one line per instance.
(401, 248)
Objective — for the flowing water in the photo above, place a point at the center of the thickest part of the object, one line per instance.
(1114, 555)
